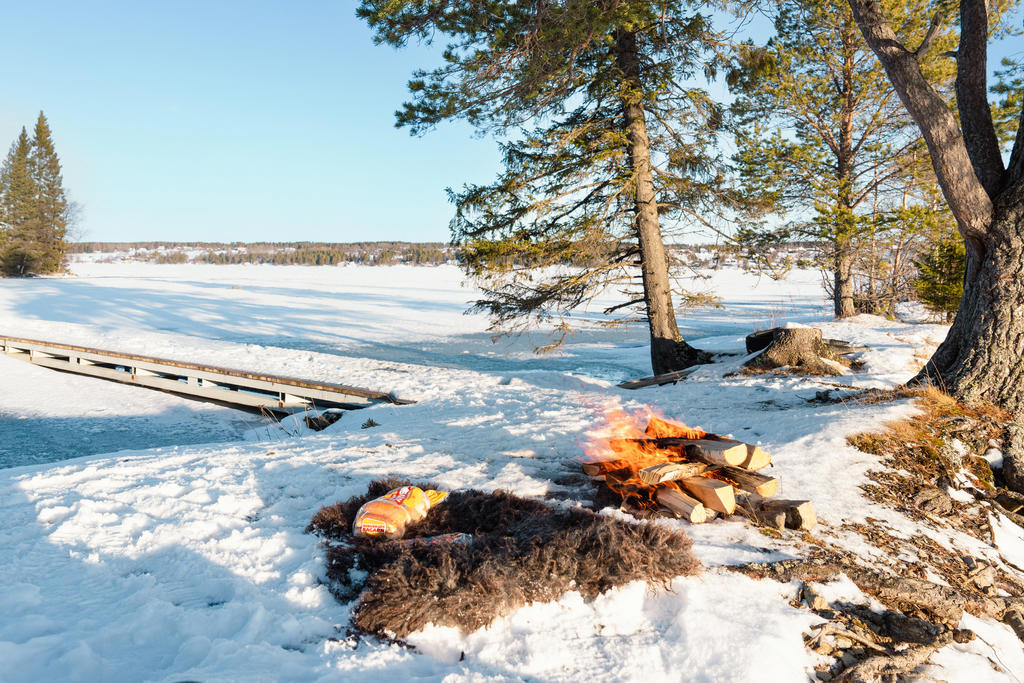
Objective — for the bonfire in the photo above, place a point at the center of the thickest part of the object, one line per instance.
(689, 473)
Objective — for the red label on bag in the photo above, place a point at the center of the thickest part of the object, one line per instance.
(372, 526)
(400, 495)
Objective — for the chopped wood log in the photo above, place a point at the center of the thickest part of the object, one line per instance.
(598, 468)
(668, 471)
(715, 494)
(799, 513)
(726, 452)
(772, 519)
(681, 504)
(752, 482)
(712, 450)
(757, 458)
(706, 450)
(619, 476)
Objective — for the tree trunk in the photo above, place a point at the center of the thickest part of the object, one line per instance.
(842, 294)
(843, 291)
(668, 350)
(981, 358)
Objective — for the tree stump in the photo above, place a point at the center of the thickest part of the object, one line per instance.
(800, 348)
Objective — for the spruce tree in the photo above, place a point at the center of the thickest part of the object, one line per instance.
(940, 282)
(609, 142)
(51, 203)
(18, 253)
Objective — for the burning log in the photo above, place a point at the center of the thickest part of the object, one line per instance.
(668, 471)
(714, 494)
(751, 482)
(753, 459)
(661, 429)
(681, 504)
(717, 451)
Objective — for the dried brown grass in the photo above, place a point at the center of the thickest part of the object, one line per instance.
(921, 442)
(919, 452)
(522, 551)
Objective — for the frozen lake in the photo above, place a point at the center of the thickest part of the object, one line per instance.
(33, 440)
(397, 314)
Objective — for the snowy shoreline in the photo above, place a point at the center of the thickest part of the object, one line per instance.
(190, 561)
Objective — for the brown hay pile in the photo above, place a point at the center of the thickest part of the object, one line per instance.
(523, 551)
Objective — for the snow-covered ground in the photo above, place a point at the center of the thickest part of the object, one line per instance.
(180, 560)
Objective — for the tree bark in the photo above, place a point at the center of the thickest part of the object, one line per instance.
(972, 96)
(842, 294)
(843, 288)
(967, 198)
(668, 350)
(982, 358)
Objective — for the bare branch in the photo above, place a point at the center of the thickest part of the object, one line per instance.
(929, 37)
(634, 302)
(964, 192)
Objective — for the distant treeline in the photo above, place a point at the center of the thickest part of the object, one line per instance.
(276, 253)
(799, 254)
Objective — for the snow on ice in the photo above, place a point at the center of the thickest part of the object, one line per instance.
(179, 553)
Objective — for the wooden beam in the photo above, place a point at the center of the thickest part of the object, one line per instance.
(668, 377)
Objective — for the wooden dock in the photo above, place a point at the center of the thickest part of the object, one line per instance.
(206, 382)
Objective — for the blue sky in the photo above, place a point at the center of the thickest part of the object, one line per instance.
(226, 120)
(231, 121)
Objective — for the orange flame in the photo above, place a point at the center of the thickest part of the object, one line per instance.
(619, 446)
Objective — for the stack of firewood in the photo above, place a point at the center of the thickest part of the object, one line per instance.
(695, 476)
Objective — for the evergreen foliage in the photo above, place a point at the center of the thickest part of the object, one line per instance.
(34, 210)
(51, 202)
(18, 207)
(823, 140)
(607, 140)
(1009, 88)
(940, 283)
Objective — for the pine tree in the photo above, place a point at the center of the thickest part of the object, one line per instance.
(18, 254)
(822, 137)
(940, 283)
(610, 142)
(51, 202)
(980, 358)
